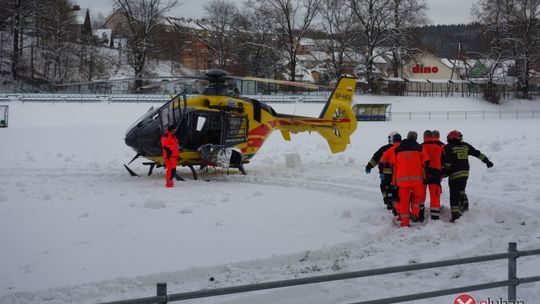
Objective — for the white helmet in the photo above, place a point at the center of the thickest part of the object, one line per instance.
(391, 137)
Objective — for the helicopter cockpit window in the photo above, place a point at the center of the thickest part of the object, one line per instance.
(237, 127)
(237, 130)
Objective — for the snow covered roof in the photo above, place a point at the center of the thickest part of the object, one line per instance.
(191, 23)
(417, 80)
(103, 34)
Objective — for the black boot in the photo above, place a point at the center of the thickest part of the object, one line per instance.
(465, 202)
(388, 203)
(455, 215)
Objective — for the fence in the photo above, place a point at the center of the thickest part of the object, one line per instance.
(502, 114)
(4, 115)
(512, 255)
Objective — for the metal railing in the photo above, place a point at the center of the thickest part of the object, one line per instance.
(501, 114)
(512, 255)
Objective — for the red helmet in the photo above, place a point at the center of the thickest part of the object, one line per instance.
(454, 135)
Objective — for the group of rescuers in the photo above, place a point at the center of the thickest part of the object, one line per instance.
(408, 170)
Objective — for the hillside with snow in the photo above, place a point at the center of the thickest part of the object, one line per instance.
(76, 228)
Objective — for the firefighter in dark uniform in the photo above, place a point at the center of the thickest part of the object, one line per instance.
(456, 167)
(385, 173)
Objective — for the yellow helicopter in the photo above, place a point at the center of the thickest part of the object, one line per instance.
(222, 129)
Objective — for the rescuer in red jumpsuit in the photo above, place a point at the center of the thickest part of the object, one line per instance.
(435, 150)
(170, 144)
(408, 162)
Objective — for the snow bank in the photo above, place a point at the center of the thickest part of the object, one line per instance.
(76, 228)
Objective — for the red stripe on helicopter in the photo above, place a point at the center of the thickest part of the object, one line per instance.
(343, 120)
(256, 142)
(261, 130)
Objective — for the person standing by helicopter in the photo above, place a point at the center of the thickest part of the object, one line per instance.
(171, 153)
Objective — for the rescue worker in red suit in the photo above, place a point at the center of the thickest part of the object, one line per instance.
(386, 166)
(170, 144)
(385, 173)
(408, 162)
(456, 167)
(435, 150)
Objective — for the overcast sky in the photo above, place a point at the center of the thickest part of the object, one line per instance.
(440, 11)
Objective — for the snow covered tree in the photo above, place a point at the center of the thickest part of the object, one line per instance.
(142, 17)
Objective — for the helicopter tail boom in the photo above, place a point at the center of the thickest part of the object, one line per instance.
(336, 123)
(338, 109)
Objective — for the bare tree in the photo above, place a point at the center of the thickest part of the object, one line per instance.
(18, 12)
(291, 20)
(514, 26)
(219, 23)
(339, 24)
(256, 52)
(526, 41)
(142, 18)
(406, 14)
(57, 34)
(375, 19)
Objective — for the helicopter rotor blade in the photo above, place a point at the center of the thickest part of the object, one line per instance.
(284, 82)
(163, 83)
(105, 81)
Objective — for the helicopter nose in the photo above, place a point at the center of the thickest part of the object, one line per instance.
(131, 138)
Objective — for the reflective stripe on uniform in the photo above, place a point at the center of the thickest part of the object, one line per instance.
(455, 209)
(405, 216)
(435, 211)
(373, 163)
(459, 174)
(482, 157)
(409, 178)
(387, 171)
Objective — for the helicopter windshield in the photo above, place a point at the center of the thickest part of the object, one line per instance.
(170, 113)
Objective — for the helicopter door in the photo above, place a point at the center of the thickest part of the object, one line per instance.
(204, 128)
(236, 130)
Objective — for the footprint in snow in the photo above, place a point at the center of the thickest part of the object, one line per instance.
(186, 211)
(154, 204)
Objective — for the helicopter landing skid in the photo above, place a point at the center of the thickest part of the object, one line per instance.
(156, 165)
(131, 172)
(193, 172)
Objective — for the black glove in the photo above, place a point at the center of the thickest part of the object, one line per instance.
(489, 164)
(368, 169)
(168, 152)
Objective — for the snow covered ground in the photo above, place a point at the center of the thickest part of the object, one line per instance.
(76, 228)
